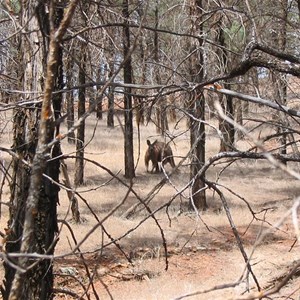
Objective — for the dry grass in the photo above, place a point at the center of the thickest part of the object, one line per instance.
(202, 250)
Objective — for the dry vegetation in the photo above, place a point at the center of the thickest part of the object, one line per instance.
(202, 251)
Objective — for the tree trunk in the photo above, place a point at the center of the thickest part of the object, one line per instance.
(99, 97)
(281, 82)
(197, 138)
(25, 139)
(197, 110)
(161, 110)
(225, 127)
(239, 117)
(19, 189)
(111, 89)
(70, 96)
(226, 101)
(128, 115)
(79, 163)
(71, 195)
(39, 216)
(139, 105)
(111, 107)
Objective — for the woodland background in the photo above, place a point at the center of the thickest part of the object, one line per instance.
(84, 84)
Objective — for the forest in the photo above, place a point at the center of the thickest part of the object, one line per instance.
(150, 149)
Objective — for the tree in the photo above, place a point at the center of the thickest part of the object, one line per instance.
(111, 90)
(79, 164)
(128, 115)
(70, 94)
(99, 96)
(280, 80)
(197, 111)
(160, 108)
(21, 175)
(34, 197)
(226, 101)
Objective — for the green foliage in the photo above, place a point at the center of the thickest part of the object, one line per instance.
(235, 36)
(14, 6)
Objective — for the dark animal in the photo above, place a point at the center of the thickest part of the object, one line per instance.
(159, 153)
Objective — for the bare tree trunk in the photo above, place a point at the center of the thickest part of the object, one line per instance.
(239, 117)
(282, 83)
(40, 214)
(225, 127)
(172, 110)
(197, 110)
(111, 107)
(139, 105)
(25, 139)
(71, 196)
(128, 115)
(79, 163)
(280, 80)
(70, 96)
(197, 138)
(19, 191)
(111, 89)
(161, 114)
(99, 97)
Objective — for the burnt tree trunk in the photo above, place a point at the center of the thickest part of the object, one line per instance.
(99, 97)
(128, 115)
(36, 208)
(226, 101)
(25, 140)
(139, 105)
(280, 80)
(197, 111)
(111, 90)
(161, 109)
(79, 163)
(111, 107)
(70, 96)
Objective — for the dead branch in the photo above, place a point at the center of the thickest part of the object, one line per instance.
(206, 291)
(235, 232)
(256, 100)
(295, 271)
(73, 200)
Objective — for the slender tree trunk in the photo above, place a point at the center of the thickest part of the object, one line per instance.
(197, 138)
(161, 110)
(70, 96)
(197, 110)
(138, 100)
(99, 97)
(111, 107)
(128, 115)
(111, 89)
(226, 101)
(225, 127)
(279, 80)
(282, 83)
(239, 117)
(79, 163)
(71, 195)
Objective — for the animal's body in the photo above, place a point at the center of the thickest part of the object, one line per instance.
(159, 153)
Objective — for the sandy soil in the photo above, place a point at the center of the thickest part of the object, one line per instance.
(203, 257)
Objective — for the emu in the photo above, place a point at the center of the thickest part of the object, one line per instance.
(159, 153)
